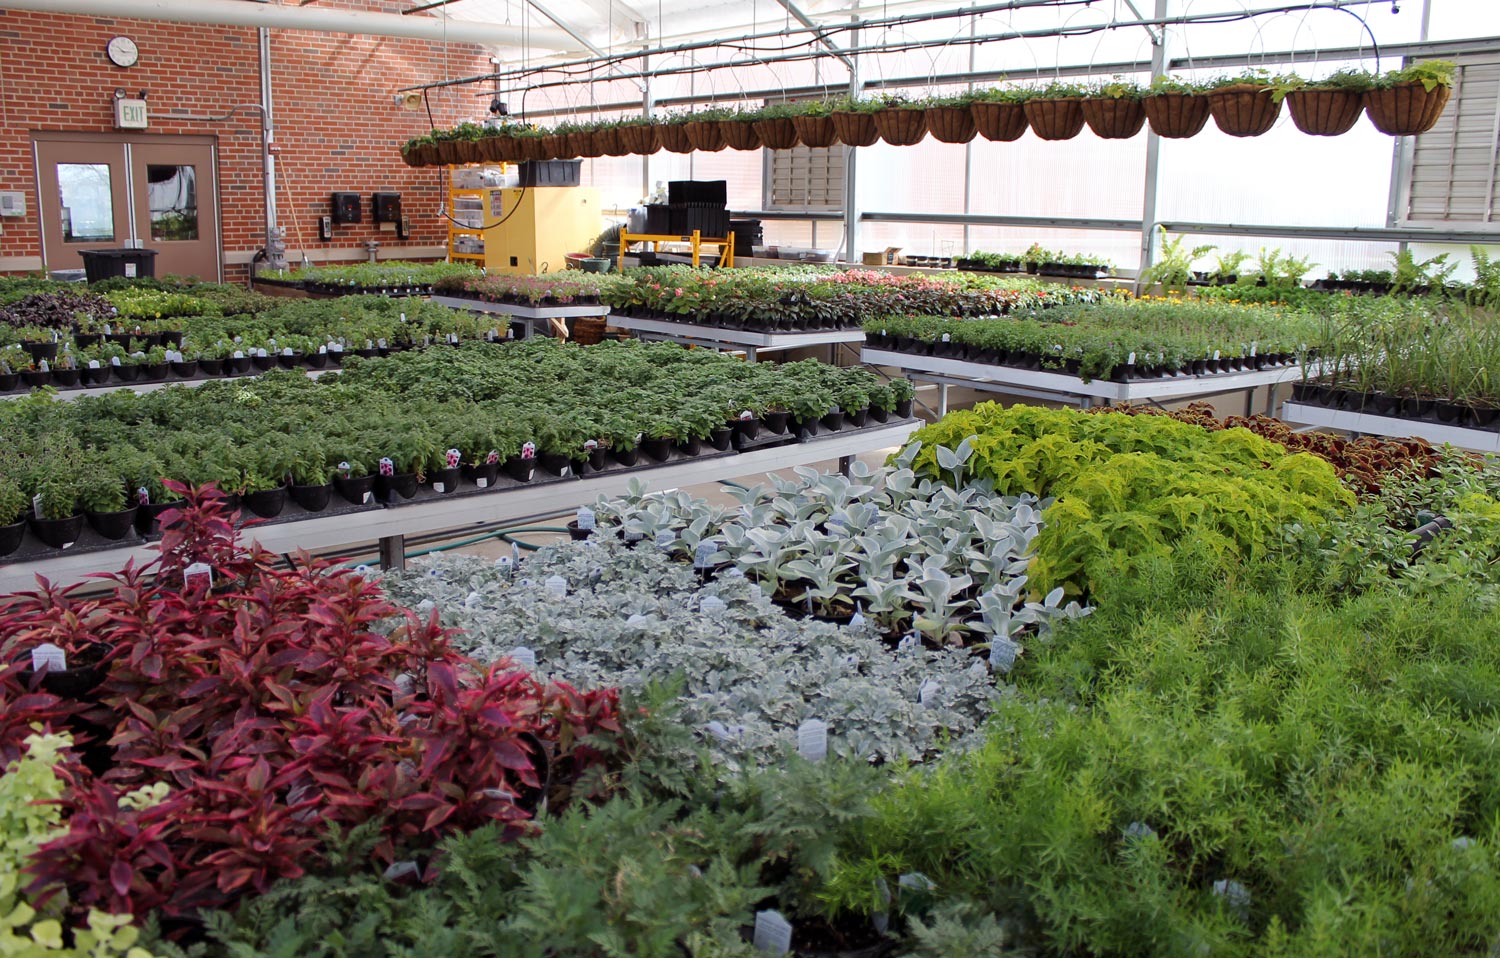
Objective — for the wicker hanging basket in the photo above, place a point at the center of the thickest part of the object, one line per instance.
(584, 144)
(427, 155)
(705, 135)
(740, 134)
(531, 148)
(816, 131)
(673, 137)
(1055, 119)
(950, 124)
(1407, 109)
(1113, 118)
(640, 138)
(556, 145)
(1001, 122)
(447, 152)
(612, 142)
(856, 129)
(1244, 109)
(777, 134)
(496, 149)
(1325, 112)
(901, 125)
(412, 157)
(1176, 116)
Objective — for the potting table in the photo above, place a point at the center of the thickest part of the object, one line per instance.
(1369, 424)
(1065, 387)
(547, 319)
(469, 513)
(695, 239)
(152, 386)
(724, 339)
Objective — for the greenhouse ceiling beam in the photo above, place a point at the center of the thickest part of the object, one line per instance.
(797, 14)
(573, 32)
(315, 19)
(1355, 234)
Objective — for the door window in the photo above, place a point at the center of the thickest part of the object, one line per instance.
(172, 192)
(88, 211)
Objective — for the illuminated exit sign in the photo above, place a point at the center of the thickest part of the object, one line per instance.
(130, 114)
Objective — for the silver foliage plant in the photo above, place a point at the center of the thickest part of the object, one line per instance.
(601, 613)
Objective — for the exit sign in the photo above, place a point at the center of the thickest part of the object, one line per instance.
(130, 114)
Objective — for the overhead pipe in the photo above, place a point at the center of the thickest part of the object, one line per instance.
(316, 19)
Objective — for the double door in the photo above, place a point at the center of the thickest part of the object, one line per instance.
(103, 191)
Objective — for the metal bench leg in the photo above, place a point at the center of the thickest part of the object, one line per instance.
(393, 552)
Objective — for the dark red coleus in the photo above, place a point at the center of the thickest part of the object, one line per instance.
(273, 709)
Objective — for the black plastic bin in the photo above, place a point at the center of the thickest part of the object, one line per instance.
(748, 234)
(99, 264)
(550, 172)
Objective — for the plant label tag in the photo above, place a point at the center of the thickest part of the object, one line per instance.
(773, 933)
(387, 466)
(746, 415)
(1003, 654)
(199, 569)
(380, 343)
(482, 482)
(713, 607)
(946, 337)
(143, 496)
(585, 518)
(36, 505)
(756, 593)
(239, 354)
(703, 554)
(812, 740)
(506, 567)
(528, 450)
(362, 570)
(557, 587)
(93, 364)
(916, 881)
(927, 695)
(398, 871)
(857, 620)
(439, 487)
(665, 538)
(403, 317)
(637, 621)
(523, 657)
(48, 657)
(114, 361)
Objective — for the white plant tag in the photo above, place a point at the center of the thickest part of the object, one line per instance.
(482, 482)
(703, 554)
(756, 593)
(928, 694)
(665, 539)
(50, 657)
(857, 620)
(773, 933)
(637, 621)
(396, 871)
(812, 740)
(472, 600)
(197, 569)
(238, 354)
(585, 518)
(557, 586)
(36, 505)
(506, 566)
(94, 363)
(713, 606)
(916, 881)
(114, 361)
(524, 657)
(1003, 654)
(439, 487)
(362, 570)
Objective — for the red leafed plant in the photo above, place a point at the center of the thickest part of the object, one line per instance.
(274, 704)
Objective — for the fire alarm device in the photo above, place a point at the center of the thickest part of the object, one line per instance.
(122, 52)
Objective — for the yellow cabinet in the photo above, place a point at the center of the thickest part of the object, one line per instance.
(530, 231)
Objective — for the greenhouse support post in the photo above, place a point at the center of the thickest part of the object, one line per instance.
(1153, 151)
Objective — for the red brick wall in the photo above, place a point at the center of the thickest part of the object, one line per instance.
(332, 96)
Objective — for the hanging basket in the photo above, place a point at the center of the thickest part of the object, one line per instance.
(1325, 112)
(1407, 109)
(610, 140)
(495, 149)
(950, 124)
(739, 134)
(901, 125)
(1113, 118)
(584, 144)
(412, 157)
(777, 134)
(640, 139)
(705, 135)
(556, 146)
(1055, 119)
(531, 148)
(1176, 116)
(447, 152)
(1001, 122)
(673, 137)
(856, 129)
(816, 131)
(1243, 109)
(427, 155)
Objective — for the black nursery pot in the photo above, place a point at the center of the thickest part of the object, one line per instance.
(355, 489)
(85, 672)
(315, 360)
(36, 377)
(658, 449)
(211, 367)
(237, 365)
(577, 534)
(312, 498)
(483, 476)
(262, 363)
(185, 369)
(519, 469)
(879, 415)
(9, 381)
(858, 417)
(93, 377)
(598, 458)
(288, 362)
(65, 377)
(833, 421)
(721, 438)
(626, 457)
(267, 503)
(58, 533)
(445, 480)
(113, 525)
(554, 462)
(776, 421)
(41, 351)
(154, 372)
(903, 409)
(148, 517)
(11, 536)
(690, 446)
(747, 428)
(403, 484)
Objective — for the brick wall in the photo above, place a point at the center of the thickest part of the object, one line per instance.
(335, 120)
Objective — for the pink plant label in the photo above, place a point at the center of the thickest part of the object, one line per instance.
(454, 457)
(528, 451)
(387, 467)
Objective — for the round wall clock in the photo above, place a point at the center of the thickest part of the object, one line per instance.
(122, 52)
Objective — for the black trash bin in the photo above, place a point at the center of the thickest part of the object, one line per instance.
(101, 264)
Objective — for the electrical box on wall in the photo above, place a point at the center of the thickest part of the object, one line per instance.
(386, 207)
(12, 203)
(346, 208)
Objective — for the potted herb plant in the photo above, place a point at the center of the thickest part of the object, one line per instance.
(354, 481)
(1408, 102)
(903, 392)
(13, 504)
(1176, 109)
(55, 517)
(105, 502)
(311, 485)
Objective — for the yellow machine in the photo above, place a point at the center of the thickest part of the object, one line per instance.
(525, 231)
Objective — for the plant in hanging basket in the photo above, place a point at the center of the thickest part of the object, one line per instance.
(581, 143)
(556, 146)
(1331, 106)
(814, 123)
(1113, 110)
(738, 130)
(1246, 105)
(607, 138)
(1055, 112)
(855, 121)
(998, 114)
(1176, 109)
(775, 128)
(1408, 102)
(949, 119)
(639, 137)
(414, 151)
(671, 133)
(900, 123)
(703, 130)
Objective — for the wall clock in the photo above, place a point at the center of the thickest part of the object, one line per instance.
(122, 52)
